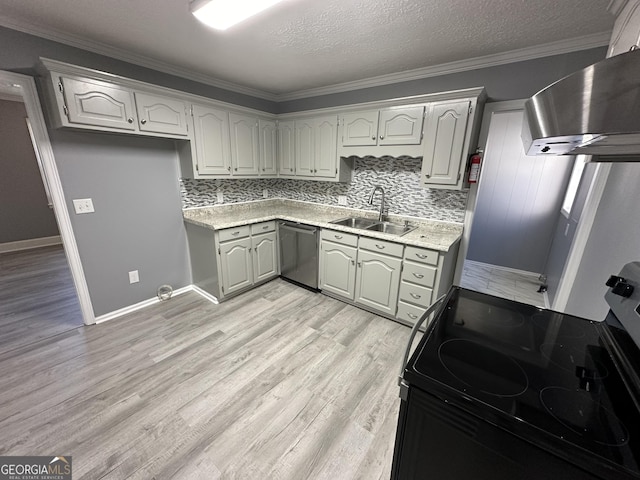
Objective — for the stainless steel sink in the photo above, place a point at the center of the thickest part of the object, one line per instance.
(391, 228)
(375, 225)
(355, 222)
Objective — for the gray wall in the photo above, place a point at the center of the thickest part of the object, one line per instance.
(614, 240)
(503, 82)
(519, 198)
(24, 213)
(20, 53)
(565, 233)
(137, 224)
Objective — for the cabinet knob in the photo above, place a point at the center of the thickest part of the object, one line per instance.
(143, 121)
(291, 169)
(130, 120)
(236, 169)
(428, 176)
(373, 137)
(381, 137)
(229, 168)
(263, 169)
(353, 262)
(360, 264)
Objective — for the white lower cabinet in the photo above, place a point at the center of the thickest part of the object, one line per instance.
(247, 256)
(338, 253)
(418, 281)
(377, 281)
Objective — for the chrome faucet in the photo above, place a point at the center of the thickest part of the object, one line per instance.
(370, 202)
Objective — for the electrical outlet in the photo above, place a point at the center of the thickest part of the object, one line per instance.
(265, 193)
(83, 205)
(342, 199)
(220, 197)
(134, 277)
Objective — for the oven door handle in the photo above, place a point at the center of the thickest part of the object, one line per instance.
(434, 306)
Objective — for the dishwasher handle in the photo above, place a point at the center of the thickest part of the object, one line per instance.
(299, 228)
(434, 306)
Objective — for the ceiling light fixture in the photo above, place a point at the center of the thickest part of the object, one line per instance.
(222, 14)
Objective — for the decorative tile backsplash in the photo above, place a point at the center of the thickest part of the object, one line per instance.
(400, 178)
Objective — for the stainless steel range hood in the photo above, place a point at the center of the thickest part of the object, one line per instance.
(595, 111)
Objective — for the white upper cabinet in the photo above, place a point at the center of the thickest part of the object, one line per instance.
(444, 144)
(304, 147)
(626, 31)
(326, 142)
(401, 126)
(245, 152)
(96, 103)
(360, 128)
(161, 114)
(393, 131)
(268, 147)
(286, 148)
(211, 145)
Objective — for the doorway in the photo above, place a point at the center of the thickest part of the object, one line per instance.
(22, 88)
(517, 205)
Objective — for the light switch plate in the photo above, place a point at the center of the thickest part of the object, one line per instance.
(83, 205)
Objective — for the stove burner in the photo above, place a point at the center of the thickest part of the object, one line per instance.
(482, 368)
(577, 411)
(570, 359)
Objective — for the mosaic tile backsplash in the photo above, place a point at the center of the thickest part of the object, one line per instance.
(400, 178)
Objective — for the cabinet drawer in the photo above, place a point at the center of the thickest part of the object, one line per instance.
(419, 274)
(409, 313)
(415, 294)
(381, 246)
(340, 237)
(234, 233)
(421, 255)
(263, 227)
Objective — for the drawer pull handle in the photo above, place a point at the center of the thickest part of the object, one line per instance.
(381, 247)
(236, 233)
(419, 255)
(339, 237)
(418, 275)
(353, 262)
(416, 296)
(265, 227)
(412, 316)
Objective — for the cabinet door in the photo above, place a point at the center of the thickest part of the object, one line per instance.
(268, 147)
(359, 129)
(211, 138)
(286, 149)
(244, 144)
(90, 102)
(338, 269)
(378, 281)
(304, 130)
(401, 126)
(444, 143)
(236, 265)
(161, 114)
(326, 147)
(265, 259)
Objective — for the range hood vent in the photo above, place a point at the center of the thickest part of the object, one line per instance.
(595, 111)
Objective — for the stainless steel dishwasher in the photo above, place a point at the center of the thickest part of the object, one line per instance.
(299, 253)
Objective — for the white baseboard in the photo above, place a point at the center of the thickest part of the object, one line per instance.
(504, 269)
(30, 243)
(152, 301)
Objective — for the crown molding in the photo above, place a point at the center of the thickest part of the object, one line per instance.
(128, 56)
(528, 53)
(616, 6)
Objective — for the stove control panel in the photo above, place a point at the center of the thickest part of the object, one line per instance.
(624, 298)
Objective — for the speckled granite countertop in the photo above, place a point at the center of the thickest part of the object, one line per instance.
(431, 234)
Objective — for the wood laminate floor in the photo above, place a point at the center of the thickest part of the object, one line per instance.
(37, 296)
(278, 383)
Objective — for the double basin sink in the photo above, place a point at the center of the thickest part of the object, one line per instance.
(375, 225)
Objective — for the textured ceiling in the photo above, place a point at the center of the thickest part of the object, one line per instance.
(305, 44)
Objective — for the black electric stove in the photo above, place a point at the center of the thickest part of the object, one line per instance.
(499, 389)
